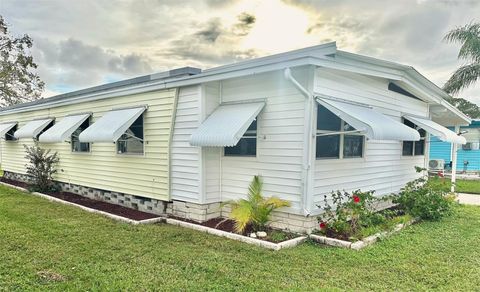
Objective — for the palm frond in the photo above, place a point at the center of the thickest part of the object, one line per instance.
(276, 202)
(469, 37)
(255, 189)
(242, 214)
(462, 78)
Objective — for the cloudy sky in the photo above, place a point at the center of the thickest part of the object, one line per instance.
(84, 43)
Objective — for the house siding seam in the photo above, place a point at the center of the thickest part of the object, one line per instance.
(141, 175)
(383, 168)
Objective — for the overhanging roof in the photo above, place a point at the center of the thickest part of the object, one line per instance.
(62, 131)
(226, 125)
(32, 128)
(436, 130)
(373, 124)
(111, 126)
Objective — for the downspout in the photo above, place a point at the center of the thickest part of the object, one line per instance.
(307, 143)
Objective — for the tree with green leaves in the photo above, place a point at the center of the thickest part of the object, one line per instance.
(469, 38)
(18, 80)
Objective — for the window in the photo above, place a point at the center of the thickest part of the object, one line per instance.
(332, 142)
(414, 148)
(9, 135)
(78, 146)
(132, 141)
(247, 146)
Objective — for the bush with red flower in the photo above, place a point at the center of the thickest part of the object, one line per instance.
(346, 214)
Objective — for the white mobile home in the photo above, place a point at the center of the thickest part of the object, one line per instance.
(310, 122)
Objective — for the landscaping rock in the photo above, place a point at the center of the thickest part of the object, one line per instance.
(253, 235)
(261, 234)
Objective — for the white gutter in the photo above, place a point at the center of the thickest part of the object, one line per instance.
(307, 141)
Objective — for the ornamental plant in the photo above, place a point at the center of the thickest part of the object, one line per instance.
(41, 167)
(346, 214)
(424, 198)
(255, 210)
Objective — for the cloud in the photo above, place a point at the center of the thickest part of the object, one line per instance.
(212, 43)
(83, 43)
(211, 32)
(73, 64)
(245, 23)
(407, 31)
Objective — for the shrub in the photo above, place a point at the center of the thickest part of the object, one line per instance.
(41, 167)
(425, 199)
(349, 214)
(255, 210)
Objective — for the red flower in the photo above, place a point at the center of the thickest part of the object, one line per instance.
(356, 199)
(323, 225)
(440, 174)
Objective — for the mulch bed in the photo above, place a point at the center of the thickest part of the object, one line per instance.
(228, 226)
(90, 203)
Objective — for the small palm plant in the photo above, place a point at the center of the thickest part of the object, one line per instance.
(255, 210)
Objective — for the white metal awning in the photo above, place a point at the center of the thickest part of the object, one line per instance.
(111, 126)
(226, 125)
(436, 130)
(4, 128)
(62, 131)
(373, 124)
(32, 128)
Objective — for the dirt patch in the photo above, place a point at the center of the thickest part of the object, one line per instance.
(50, 276)
(94, 204)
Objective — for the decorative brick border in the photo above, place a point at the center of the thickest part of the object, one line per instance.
(358, 245)
(261, 243)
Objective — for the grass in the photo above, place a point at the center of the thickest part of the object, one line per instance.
(49, 246)
(468, 186)
(462, 185)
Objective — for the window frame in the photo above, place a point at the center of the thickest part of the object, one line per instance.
(142, 116)
(342, 133)
(423, 139)
(246, 137)
(89, 120)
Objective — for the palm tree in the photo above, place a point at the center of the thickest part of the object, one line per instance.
(255, 210)
(469, 37)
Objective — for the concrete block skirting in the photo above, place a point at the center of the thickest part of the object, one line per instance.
(185, 210)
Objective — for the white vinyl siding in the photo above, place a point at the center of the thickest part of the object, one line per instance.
(280, 137)
(146, 175)
(211, 155)
(185, 159)
(382, 168)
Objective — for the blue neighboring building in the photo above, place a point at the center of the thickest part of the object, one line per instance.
(468, 155)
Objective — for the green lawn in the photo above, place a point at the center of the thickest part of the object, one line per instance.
(463, 186)
(40, 240)
(468, 186)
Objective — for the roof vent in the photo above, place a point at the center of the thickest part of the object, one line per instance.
(179, 72)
